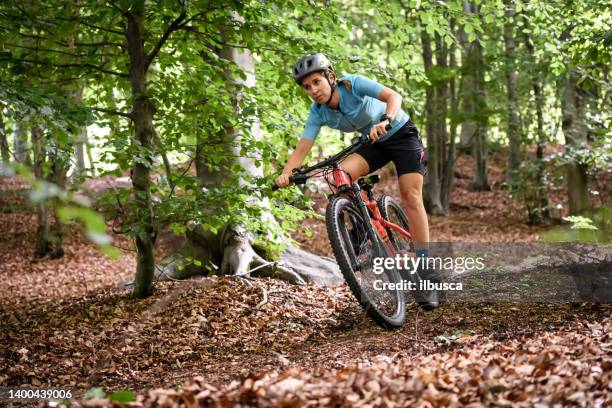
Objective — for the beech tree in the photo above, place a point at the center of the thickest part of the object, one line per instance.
(197, 106)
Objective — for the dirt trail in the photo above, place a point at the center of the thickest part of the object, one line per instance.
(67, 323)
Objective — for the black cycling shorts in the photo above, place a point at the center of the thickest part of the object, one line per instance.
(404, 148)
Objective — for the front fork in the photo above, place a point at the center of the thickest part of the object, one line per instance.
(367, 206)
(369, 211)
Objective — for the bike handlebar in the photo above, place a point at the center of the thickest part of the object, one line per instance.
(301, 176)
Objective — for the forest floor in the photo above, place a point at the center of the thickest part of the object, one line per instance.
(69, 323)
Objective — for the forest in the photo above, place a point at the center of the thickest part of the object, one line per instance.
(148, 260)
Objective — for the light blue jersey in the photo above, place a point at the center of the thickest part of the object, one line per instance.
(360, 109)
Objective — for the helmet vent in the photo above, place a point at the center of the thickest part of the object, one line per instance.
(309, 64)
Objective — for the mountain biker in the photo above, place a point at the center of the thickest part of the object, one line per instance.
(356, 103)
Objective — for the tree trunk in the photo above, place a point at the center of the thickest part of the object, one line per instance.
(541, 212)
(92, 166)
(4, 147)
(432, 188)
(43, 246)
(20, 145)
(142, 116)
(449, 164)
(442, 89)
(80, 150)
(542, 207)
(467, 86)
(59, 164)
(231, 249)
(512, 114)
(575, 131)
(479, 148)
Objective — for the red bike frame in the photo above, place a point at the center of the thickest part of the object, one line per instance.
(342, 178)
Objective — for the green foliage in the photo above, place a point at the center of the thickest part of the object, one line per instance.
(529, 191)
(122, 397)
(594, 157)
(48, 51)
(70, 207)
(594, 227)
(579, 222)
(95, 392)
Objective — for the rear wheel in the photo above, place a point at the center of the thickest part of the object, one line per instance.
(356, 249)
(392, 211)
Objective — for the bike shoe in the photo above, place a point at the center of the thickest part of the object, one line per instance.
(429, 299)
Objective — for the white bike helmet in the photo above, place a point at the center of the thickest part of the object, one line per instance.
(309, 64)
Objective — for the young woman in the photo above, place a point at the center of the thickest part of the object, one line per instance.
(357, 104)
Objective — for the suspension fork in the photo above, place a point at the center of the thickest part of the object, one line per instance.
(365, 214)
(344, 184)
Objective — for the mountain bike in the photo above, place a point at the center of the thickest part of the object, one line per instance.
(362, 229)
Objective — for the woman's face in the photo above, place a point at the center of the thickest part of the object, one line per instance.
(317, 87)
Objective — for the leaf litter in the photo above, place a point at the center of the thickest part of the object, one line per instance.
(218, 341)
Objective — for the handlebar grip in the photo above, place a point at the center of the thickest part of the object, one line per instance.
(276, 187)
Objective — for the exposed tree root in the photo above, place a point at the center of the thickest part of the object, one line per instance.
(232, 250)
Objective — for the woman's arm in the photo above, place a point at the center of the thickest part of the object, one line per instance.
(295, 160)
(297, 157)
(393, 101)
(394, 106)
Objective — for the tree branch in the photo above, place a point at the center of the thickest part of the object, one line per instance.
(51, 50)
(59, 81)
(108, 30)
(195, 16)
(92, 66)
(171, 28)
(164, 156)
(94, 44)
(214, 42)
(113, 112)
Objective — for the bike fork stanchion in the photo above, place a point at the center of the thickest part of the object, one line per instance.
(363, 209)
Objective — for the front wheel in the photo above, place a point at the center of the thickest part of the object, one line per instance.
(360, 254)
(393, 212)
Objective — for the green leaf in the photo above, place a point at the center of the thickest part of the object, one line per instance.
(122, 396)
(95, 392)
(99, 238)
(580, 222)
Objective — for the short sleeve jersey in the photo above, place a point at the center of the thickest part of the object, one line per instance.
(359, 110)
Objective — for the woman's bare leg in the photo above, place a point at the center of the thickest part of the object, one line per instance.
(355, 165)
(411, 190)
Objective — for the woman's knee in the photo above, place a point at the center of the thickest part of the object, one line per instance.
(356, 166)
(411, 190)
(412, 198)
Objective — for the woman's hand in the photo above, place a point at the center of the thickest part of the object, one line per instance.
(378, 130)
(282, 180)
